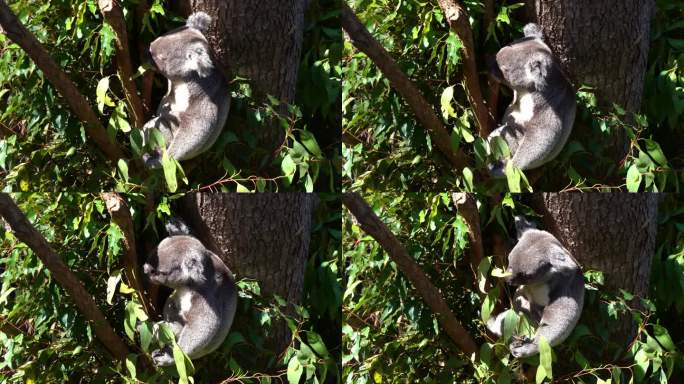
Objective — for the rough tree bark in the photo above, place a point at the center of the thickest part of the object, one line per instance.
(603, 44)
(614, 233)
(259, 40)
(263, 237)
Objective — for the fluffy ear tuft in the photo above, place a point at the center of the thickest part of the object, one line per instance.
(522, 225)
(199, 21)
(533, 30)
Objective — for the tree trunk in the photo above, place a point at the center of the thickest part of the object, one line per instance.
(258, 40)
(603, 44)
(264, 237)
(614, 233)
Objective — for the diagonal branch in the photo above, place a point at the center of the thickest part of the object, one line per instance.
(10, 26)
(25, 232)
(457, 17)
(364, 42)
(467, 208)
(121, 216)
(113, 15)
(373, 226)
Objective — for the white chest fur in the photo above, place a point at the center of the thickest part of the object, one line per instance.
(181, 97)
(183, 298)
(525, 109)
(538, 293)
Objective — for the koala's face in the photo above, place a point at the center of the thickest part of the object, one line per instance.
(528, 262)
(524, 64)
(181, 53)
(178, 261)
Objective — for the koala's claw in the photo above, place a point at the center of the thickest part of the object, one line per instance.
(522, 347)
(497, 170)
(162, 357)
(152, 161)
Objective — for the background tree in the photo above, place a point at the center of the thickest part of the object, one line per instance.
(619, 30)
(262, 237)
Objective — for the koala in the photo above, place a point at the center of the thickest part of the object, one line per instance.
(194, 110)
(539, 120)
(202, 306)
(550, 289)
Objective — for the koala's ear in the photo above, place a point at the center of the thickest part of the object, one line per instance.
(200, 61)
(537, 69)
(193, 268)
(200, 21)
(533, 30)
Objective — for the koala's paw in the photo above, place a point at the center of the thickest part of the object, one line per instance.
(497, 170)
(163, 357)
(152, 161)
(523, 347)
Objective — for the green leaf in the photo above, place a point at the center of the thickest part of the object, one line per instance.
(655, 152)
(123, 169)
(112, 283)
(512, 177)
(241, 188)
(169, 166)
(663, 337)
(101, 94)
(288, 167)
(468, 179)
(294, 370)
(447, 109)
(179, 359)
(633, 178)
(545, 357)
(130, 364)
(145, 336)
(310, 143)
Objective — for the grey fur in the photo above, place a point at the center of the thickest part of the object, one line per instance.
(199, 21)
(202, 306)
(550, 292)
(176, 226)
(194, 110)
(538, 122)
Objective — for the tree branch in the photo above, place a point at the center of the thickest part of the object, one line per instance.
(10, 26)
(457, 17)
(25, 232)
(364, 42)
(467, 208)
(113, 15)
(118, 210)
(372, 225)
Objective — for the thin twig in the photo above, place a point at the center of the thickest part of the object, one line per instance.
(113, 15)
(121, 216)
(458, 20)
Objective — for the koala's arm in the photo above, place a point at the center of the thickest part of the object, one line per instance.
(520, 304)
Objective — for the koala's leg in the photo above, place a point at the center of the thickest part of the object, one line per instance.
(534, 150)
(189, 142)
(152, 159)
(508, 134)
(558, 320)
